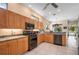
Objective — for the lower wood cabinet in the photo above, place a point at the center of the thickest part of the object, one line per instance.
(40, 39)
(45, 38)
(22, 45)
(49, 38)
(14, 47)
(64, 40)
(4, 50)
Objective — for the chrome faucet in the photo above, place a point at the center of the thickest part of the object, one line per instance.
(11, 32)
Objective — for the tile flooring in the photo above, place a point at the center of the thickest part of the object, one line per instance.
(72, 42)
(51, 49)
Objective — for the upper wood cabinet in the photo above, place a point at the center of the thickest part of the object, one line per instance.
(29, 20)
(3, 18)
(38, 25)
(17, 21)
(23, 20)
(11, 19)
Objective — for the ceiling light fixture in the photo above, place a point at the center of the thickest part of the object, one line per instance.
(58, 10)
(49, 13)
(30, 5)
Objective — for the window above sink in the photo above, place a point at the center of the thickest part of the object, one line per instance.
(4, 5)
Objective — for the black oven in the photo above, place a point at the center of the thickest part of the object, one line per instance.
(29, 26)
(32, 41)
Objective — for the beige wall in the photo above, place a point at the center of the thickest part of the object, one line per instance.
(17, 8)
(4, 32)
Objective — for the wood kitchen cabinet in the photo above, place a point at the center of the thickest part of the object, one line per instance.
(3, 18)
(14, 46)
(22, 45)
(4, 50)
(48, 38)
(14, 20)
(40, 38)
(17, 21)
(45, 37)
(39, 25)
(36, 25)
(64, 40)
(11, 19)
(23, 20)
(29, 20)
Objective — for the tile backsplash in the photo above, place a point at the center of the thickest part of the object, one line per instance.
(4, 32)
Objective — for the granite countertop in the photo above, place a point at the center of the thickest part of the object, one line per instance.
(59, 33)
(56, 33)
(11, 37)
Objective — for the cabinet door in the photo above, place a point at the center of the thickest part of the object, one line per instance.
(50, 38)
(25, 44)
(40, 25)
(40, 39)
(37, 25)
(13, 48)
(64, 40)
(11, 19)
(17, 21)
(22, 45)
(3, 18)
(4, 48)
(22, 24)
(27, 19)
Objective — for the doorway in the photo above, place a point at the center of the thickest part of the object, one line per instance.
(72, 34)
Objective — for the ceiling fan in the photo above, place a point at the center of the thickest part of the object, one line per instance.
(53, 4)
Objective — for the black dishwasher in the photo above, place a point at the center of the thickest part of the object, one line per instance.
(58, 39)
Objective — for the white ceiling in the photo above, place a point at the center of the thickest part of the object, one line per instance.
(67, 11)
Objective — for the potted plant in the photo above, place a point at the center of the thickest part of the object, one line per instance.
(72, 28)
(58, 29)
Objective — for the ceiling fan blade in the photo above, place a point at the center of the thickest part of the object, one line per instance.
(54, 5)
(46, 6)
